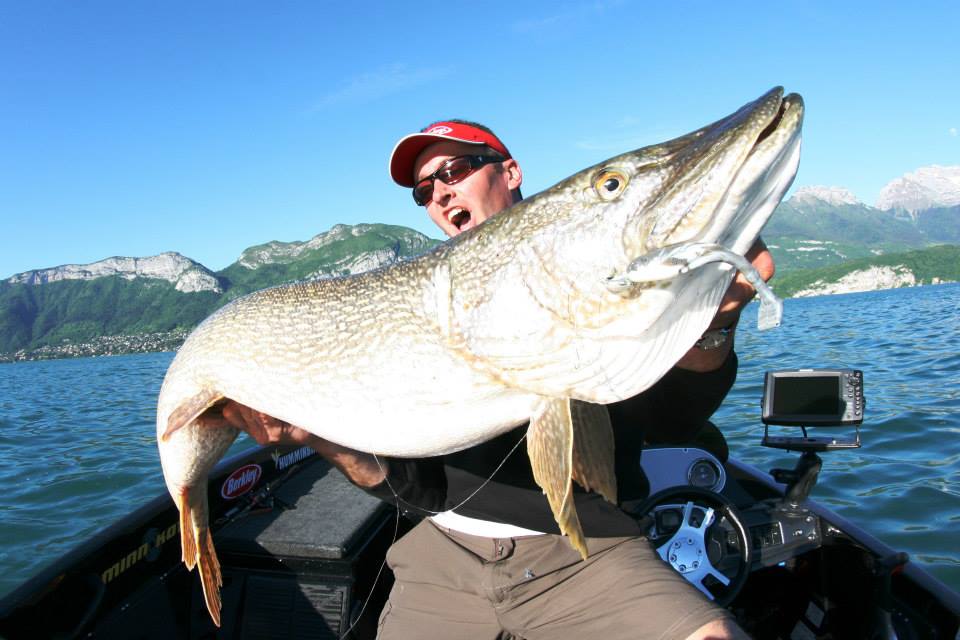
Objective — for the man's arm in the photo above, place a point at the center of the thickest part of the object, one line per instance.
(362, 469)
(419, 483)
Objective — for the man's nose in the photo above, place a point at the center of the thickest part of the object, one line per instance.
(441, 191)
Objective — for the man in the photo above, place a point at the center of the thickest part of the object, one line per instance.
(489, 561)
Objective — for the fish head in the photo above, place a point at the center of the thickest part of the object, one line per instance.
(717, 185)
(548, 302)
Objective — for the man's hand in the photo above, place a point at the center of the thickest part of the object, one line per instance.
(740, 291)
(734, 300)
(360, 468)
(263, 428)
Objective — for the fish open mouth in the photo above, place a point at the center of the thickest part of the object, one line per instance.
(739, 169)
(762, 180)
(774, 124)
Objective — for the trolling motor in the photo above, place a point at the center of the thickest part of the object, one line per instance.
(810, 398)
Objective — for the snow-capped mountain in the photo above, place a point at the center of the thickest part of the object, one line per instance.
(837, 196)
(925, 188)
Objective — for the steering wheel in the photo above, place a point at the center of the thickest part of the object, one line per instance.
(690, 529)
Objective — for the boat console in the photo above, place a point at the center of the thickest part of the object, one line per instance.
(811, 574)
(757, 533)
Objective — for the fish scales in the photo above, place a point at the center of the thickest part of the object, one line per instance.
(379, 335)
(585, 293)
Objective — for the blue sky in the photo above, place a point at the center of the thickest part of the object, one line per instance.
(132, 128)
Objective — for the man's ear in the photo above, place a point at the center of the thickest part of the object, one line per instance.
(514, 174)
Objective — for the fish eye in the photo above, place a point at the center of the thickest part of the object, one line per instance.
(610, 184)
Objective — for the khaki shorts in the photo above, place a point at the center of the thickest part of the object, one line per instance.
(451, 585)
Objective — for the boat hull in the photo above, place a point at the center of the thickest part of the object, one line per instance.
(302, 549)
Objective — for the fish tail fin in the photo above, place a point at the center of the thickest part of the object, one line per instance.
(197, 543)
(189, 410)
(188, 541)
(210, 576)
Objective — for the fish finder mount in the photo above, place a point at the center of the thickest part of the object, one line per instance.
(810, 398)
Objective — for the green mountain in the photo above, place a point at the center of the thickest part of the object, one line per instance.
(807, 232)
(341, 251)
(824, 241)
(941, 224)
(73, 311)
(55, 310)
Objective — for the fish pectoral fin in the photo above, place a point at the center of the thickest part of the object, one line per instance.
(550, 447)
(593, 448)
(190, 409)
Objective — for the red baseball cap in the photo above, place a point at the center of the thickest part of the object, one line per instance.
(405, 153)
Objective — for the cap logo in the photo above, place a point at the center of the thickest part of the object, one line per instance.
(439, 130)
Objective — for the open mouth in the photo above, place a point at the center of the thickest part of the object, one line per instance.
(774, 124)
(732, 207)
(459, 217)
(763, 179)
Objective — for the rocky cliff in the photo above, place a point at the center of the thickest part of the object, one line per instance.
(870, 279)
(186, 275)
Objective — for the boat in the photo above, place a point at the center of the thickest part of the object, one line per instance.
(302, 552)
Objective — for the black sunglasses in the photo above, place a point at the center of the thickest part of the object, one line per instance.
(450, 172)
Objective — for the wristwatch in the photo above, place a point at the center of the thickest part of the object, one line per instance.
(714, 338)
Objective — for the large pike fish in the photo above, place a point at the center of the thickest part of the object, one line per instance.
(584, 294)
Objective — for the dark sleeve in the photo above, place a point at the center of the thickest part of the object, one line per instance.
(419, 483)
(677, 406)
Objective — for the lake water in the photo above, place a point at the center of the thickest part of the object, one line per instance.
(78, 450)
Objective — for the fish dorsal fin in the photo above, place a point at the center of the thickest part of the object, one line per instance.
(550, 445)
(190, 409)
(593, 448)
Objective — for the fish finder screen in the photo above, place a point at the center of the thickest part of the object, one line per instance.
(810, 396)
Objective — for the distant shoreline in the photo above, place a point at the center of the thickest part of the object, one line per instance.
(103, 346)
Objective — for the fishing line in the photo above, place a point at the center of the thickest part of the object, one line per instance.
(396, 523)
(465, 500)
